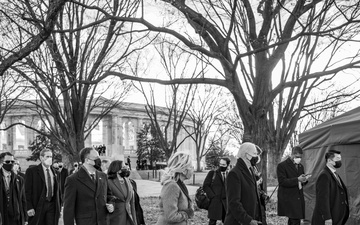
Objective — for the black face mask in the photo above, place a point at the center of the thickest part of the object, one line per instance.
(97, 164)
(124, 173)
(254, 160)
(223, 169)
(8, 167)
(60, 166)
(337, 164)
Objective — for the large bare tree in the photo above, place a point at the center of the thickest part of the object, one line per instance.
(269, 54)
(170, 120)
(63, 72)
(206, 109)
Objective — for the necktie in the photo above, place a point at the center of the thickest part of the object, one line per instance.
(223, 176)
(92, 177)
(49, 186)
(337, 178)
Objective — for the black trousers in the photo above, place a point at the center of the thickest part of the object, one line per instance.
(294, 221)
(47, 216)
(213, 222)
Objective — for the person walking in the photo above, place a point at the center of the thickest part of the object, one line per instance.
(175, 204)
(332, 201)
(215, 188)
(123, 195)
(12, 195)
(291, 178)
(242, 191)
(42, 192)
(129, 162)
(87, 193)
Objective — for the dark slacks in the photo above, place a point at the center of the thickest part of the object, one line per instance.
(47, 216)
(213, 222)
(294, 221)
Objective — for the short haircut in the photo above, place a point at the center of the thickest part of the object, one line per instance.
(84, 153)
(226, 159)
(2, 155)
(331, 154)
(114, 168)
(42, 152)
(296, 150)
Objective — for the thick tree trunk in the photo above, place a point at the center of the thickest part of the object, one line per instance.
(198, 160)
(273, 160)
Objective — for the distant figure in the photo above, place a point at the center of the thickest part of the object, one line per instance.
(175, 202)
(129, 162)
(123, 195)
(215, 188)
(12, 195)
(42, 192)
(86, 192)
(105, 163)
(62, 173)
(332, 201)
(17, 169)
(244, 206)
(292, 178)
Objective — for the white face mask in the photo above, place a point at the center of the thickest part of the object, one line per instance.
(48, 161)
(297, 160)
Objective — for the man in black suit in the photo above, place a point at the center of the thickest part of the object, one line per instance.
(42, 192)
(86, 192)
(12, 195)
(291, 178)
(332, 203)
(242, 191)
(214, 187)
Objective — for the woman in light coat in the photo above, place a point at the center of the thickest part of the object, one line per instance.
(123, 195)
(175, 203)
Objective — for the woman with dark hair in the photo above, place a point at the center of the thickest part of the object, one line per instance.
(123, 195)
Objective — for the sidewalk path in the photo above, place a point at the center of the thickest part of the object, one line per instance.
(147, 188)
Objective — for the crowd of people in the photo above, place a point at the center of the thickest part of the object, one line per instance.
(100, 192)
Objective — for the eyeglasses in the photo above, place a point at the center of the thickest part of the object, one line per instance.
(9, 161)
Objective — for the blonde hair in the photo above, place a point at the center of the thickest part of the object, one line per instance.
(178, 163)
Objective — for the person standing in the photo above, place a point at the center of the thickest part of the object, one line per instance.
(175, 203)
(291, 178)
(129, 162)
(12, 195)
(87, 193)
(214, 187)
(42, 192)
(242, 191)
(123, 195)
(332, 202)
(62, 175)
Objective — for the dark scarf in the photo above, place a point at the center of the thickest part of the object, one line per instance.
(183, 189)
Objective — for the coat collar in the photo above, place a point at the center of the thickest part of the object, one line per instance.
(341, 185)
(292, 165)
(243, 168)
(84, 178)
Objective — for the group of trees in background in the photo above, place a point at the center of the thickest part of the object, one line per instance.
(270, 56)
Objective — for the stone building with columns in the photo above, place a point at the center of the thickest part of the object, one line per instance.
(117, 131)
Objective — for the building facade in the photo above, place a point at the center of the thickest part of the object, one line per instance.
(117, 131)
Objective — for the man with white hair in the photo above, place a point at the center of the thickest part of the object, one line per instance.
(242, 192)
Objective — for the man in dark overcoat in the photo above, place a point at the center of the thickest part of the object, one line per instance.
(242, 191)
(215, 189)
(12, 194)
(332, 202)
(42, 192)
(86, 192)
(291, 178)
